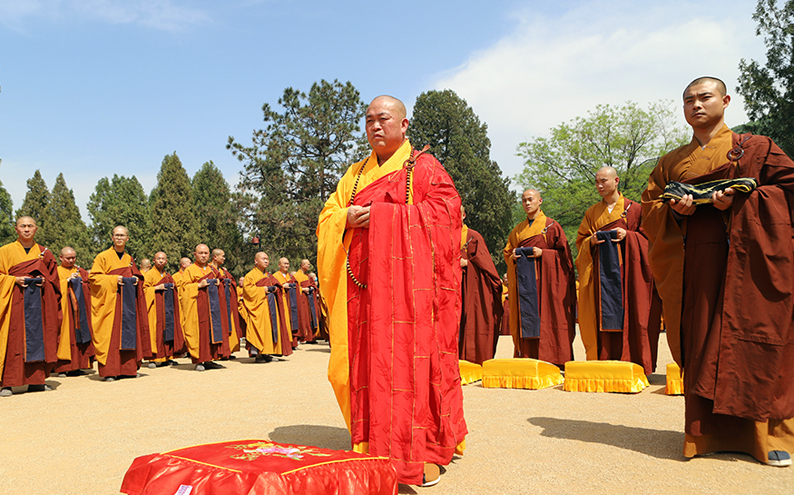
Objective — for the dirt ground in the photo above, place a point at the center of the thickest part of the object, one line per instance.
(82, 437)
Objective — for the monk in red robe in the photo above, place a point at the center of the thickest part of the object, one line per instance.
(728, 297)
(75, 347)
(394, 302)
(289, 301)
(616, 285)
(232, 305)
(481, 287)
(205, 326)
(308, 315)
(118, 308)
(541, 286)
(31, 315)
(162, 304)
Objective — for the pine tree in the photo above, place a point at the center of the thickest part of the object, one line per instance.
(218, 218)
(120, 201)
(175, 225)
(35, 203)
(65, 227)
(7, 232)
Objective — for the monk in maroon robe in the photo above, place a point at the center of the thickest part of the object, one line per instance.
(75, 347)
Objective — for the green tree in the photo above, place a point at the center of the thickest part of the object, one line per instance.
(35, 203)
(7, 232)
(460, 141)
(768, 91)
(214, 205)
(295, 162)
(119, 201)
(175, 225)
(65, 227)
(563, 166)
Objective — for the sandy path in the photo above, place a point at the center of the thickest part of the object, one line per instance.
(82, 437)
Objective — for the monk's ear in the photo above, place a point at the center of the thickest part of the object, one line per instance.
(726, 100)
(404, 125)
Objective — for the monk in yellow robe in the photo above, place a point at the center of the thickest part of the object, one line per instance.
(394, 326)
(205, 326)
(308, 322)
(722, 257)
(162, 304)
(616, 286)
(265, 334)
(30, 314)
(289, 299)
(75, 347)
(118, 308)
(229, 295)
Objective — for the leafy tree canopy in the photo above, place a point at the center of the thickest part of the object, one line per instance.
(119, 201)
(7, 232)
(65, 226)
(35, 203)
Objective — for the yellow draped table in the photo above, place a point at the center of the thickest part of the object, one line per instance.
(604, 376)
(469, 372)
(520, 373)
(675, 382)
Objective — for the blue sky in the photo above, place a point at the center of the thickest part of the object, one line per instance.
(96, 87)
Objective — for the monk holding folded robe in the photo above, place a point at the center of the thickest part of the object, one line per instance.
(162, 303)
(118, 307)
(541, 289)
(289, 300)
(724, 269)
(265, 334)
(615, 281)
(30, 317)
(75, 344)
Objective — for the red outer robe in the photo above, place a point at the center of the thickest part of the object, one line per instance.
(209, 351)
(734, 335)
(82, 354)
(636, 342)
(284, 335)
(481, 316)
(284, 300)
(406, 397)
(234, 333)
(16, 371)
(177, 346)
(556, 297)
(305, 332)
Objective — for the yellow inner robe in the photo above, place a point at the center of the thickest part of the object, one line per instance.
(596, 217)
(188, 293)
(259, 332)
(104, 289)
(65, 338)
(10, 255)
(150, 279)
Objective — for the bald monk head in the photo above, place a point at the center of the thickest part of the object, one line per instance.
(283, 265)
(218, 257)
(462, 213)
(184, 263)
(305, 266)
(146, 265)
(26, 230)
(705, 101)
(606, 181)
(386, 125)
(119, 235)
(261, 261)
(160, 260)
(202, 255)
(68, 257)
(531, 202)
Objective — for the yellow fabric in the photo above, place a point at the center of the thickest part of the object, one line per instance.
(104, 288)
(464, 234)
(469, 372)
(531, 374)
(259, 332)
(188, 293)
(521, 232)
(604, 376)
(150, 279)
(665, 235)
(284, 278)
(675, 382)
(234, 341)
(302, 277)
(595, 218)
(332, 244)
(65, 339)
(10, 255)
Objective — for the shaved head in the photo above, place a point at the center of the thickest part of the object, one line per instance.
(534, 191)
(68, 250)
(217, 252)
(700, 80)
(68, 257)
(185, 262)
(398, 108)
(27, 220)
(608, 171)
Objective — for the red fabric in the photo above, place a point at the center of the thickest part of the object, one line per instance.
(82, 354)
(260, 467)
(482, 310)
(121, 362)
(406, 397)
(209, 351)
(633, 344)
(177, 346)
(235, 305)
(556, 298)
(284, 335)
(306, 333)
(16, 371)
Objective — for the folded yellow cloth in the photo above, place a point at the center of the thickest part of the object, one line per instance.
(520, 373)
(469, 372)
(604, 376)
(675, 382)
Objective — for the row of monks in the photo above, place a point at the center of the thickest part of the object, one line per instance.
(615, 304)
(62, 318)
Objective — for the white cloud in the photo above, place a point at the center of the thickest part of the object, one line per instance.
(163, 15)
(550, 70)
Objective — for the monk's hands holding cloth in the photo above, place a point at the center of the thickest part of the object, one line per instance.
(357, 217)
(684, 206)
(723, 199)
